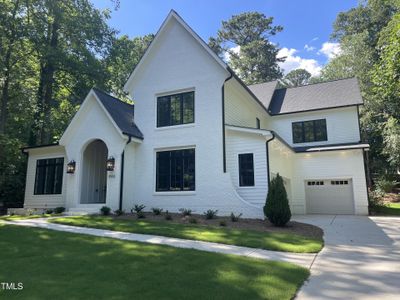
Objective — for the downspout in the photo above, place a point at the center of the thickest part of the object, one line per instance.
(223, 122)
(121, 184)
(267, 153)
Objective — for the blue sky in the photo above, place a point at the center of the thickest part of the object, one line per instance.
(305, 22)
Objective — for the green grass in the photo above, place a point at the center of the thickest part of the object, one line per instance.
(390, 209)
(23, 217)
(60, 265)
(249, 238)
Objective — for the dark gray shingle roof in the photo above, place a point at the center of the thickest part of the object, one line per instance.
(331, 94)
(264, 91)
(121, 112)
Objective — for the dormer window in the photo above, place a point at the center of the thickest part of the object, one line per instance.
(309, 131)
(175, 109)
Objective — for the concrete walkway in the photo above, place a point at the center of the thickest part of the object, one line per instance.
(302, 259)
(360, 260)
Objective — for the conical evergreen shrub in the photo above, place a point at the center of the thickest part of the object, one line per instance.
(277, 208)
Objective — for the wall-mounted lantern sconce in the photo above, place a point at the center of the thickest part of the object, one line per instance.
(110, 163)
(71, 167)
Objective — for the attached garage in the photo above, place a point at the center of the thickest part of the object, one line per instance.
(333, 196)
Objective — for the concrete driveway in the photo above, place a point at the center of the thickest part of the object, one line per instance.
(360, 260)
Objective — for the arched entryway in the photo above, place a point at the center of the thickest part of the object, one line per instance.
(94, 173)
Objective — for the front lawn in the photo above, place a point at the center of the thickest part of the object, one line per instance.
(277, 241)
(22, 217)
(60, 265)
(390, 209)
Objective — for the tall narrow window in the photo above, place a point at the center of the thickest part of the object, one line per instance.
(246, 169)
(175, 109)
(49, 175)
(258, 123)
(175, 170)
(309, 131)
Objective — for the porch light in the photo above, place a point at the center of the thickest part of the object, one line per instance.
(71, 167)
(110, 163)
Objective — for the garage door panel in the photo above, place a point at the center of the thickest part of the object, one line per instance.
(329, 196)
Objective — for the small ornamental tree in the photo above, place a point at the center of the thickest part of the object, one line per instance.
(277, 208)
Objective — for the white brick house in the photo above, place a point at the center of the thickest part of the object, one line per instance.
(199, 138)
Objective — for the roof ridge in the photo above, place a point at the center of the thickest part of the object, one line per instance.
(105, 93)
(316, 83)
(263, 82)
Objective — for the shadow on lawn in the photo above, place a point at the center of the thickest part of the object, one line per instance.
(64, 265)
(249, 238)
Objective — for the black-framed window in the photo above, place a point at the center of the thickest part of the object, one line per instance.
(309, 131)
(175, 170)
(175, 109)
(258, 123)
(246, 169)
(49, 176)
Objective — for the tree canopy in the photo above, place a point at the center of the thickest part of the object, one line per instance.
(367, 35)
(52, 52)
(244, 39)
(297, 77)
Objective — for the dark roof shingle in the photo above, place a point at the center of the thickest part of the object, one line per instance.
(338, 93)
(121, 112)
(264, 91)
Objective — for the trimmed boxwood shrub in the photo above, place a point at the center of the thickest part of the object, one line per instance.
(105, 210)
(277, 208)
(59, 210)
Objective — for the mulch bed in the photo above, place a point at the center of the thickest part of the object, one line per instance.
(250, 224)
(391, 198)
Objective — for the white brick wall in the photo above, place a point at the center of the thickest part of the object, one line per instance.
(176, 63)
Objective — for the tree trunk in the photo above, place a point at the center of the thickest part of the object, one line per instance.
(46, 83)
(7, 66)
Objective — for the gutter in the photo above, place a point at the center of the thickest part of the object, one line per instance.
(121, 184)
(267, 153)
(223, 121)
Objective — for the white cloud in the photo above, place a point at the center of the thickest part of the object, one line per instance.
(294, 61)
(314, 39)
(330, 50)
(309, 48)
(227, 56)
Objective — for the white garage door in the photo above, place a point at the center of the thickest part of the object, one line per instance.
(329, 196)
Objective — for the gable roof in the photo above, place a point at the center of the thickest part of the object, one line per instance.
(174, 15)
(121, 112)
(264, 91)
(332, 94)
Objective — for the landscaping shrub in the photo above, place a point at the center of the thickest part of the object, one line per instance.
(193, 221)
(185, 212)
(375, 199)
(222, 223)
(277, 208)
(105, 210)
(384, 185)
(235, 218)
(140, 215)
(59, 210)
(119, 212)
(49, 211)
(137, 208)
(210, 214)
(157, 211)
(168, 216)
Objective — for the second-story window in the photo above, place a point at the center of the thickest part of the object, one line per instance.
(309, 131)
(258, 123)
(175, 109)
